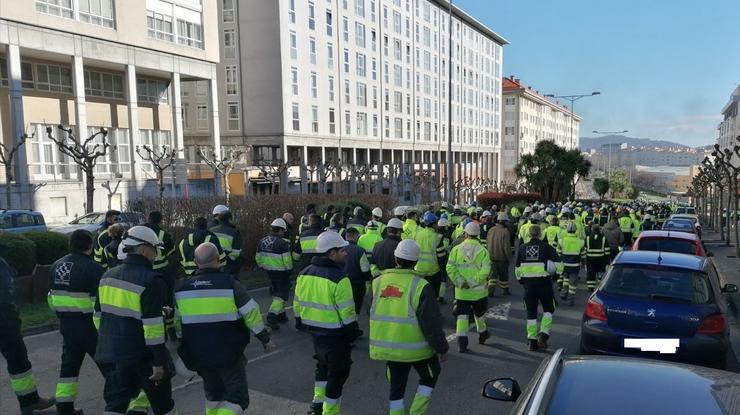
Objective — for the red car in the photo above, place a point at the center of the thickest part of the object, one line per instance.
(670, 241)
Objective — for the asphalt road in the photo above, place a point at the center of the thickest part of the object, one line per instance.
(281, 382)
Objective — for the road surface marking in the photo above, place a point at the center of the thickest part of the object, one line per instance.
(499, 312)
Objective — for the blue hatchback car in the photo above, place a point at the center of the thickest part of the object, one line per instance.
(675, 298)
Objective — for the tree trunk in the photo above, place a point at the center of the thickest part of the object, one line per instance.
(7, 188)
(90, 191)
(161, 190)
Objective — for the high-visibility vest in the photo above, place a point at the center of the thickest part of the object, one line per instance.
(322, 301)
(636, 227)
(596, 246)
(187, 251)
(410, 228)
(531, 269)
(625, 224)
(552, 234)
(161, 260)
(101, 242)
(428, 241)
(123, 299)
(571, 249)
(226, 236)
(273, 254)
(395, 334)
(469, 264)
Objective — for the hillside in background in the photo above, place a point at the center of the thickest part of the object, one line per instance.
(587, 143)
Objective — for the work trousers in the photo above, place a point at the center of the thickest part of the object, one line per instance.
(279, 290)
(538, 291)
(359, 289)
(333, 362)
(123, 381)
(226, 388)
(595, 267)
(14, 350)
(500, 274)
(79, 338)
(570, 280)
(435, 280)
(398, 375)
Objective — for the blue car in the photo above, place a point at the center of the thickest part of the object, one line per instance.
(661, 305)
(19, 220)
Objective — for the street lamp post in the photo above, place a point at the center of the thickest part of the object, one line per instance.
(572, 99)
(608, 172)
(450, 185)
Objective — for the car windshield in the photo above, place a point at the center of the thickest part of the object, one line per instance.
(88, 219)
(680, 246)
(658, 283)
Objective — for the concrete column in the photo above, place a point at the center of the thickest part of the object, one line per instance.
(17, 118)
(284, 179)
(215, 128)
(177, 124)
(351, 175)
(305, 182)
(132, 107)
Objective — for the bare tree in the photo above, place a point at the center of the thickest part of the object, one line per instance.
(161, 159)
(6, 159)
(273, 170)
(85, 154)
(224, 166)
(359, 174)
(37, 186)
(111, 190)
(312, 168)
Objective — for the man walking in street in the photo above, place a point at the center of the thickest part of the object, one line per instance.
(323, 304)
(432, 250)
(103, 238)
(357, 268)
(406, 330)
(597, 257)
(572, 250)
(216, 316)
(468, 268)
(499, 250)
(305, 249)
(198, 236)
(74, 280)
(383, 257)
(274, 256)
(230, 241)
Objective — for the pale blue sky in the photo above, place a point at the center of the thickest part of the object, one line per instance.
(665, 68)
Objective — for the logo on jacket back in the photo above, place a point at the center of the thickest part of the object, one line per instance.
(391, 291)
(201, 283)
(532, 253)
(61, 275)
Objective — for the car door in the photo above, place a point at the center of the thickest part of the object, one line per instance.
(717, 283)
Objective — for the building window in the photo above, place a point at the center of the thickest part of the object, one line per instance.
(151, 91)
(332, 121)
(97, 12)
(374, 69)
(346, 61)
(315, 119)
(361, 124)
(296, 117)
(312, 50)
(361, 68)
(345, 29)
(229, 43)
(185, 114)
(360, 8)
(329, 23)
(346, 91)
(398, 102)
(387, 127)
(53, 78)
(106, 85)
(154, 138)
(293, 46)
(347, 123)
(331, 88)
(330, 56)
(398, 128)
(233, 112)
(314, 86)
(397, 75)
(311, 16)
(44, 159)
(360, 34)
(201, 88)
(228, 10)
(294, 81)
(61, 8)
(375, 125)
(189, 34)
(231, 80)
(291, 11)
(202, 116)
(159, 26)
(361, 94)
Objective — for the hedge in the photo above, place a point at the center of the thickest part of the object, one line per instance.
(19, 251)
(50, 246)
(499, 198)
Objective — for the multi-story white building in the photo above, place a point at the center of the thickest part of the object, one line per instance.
(530, 118)
(92, 64)
(729, 128)
(364, 81)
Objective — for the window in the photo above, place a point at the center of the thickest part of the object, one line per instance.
(360, 8)
(294, 81)
(61, 8)
(375, 97)
(228, 10)
(314, 86)
(296, 117)
(397, 75)
(154, 138)
(106, 85)
(232, 80)
(397, 22)
(189, 34)
(375, 125)
(346, 61)
(202, 116)
(312, 50)
(330, 56)
(332, 121)
(345, 29)
(293, 46)
(398, 128)
(201, 88)
(291, 11)
(329, 23)
(233, 112)
(662, 284)
(52, 78)
(347, 123)
(346, 91)
(361, 68)
(45, 160)
(151, 90)
(374, 69)
(331, 88)
(362, 124)
(361, 95)
(315, 119)
(372, 11)
(311, 16)
(398, 102)
(159, 26)
(387, 127)
(97, 12)
(185, 116)
(229, 43)
(360, 34)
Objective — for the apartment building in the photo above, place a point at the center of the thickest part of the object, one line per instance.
(361, 81)
(92, 64)
(729, 128)
(529, 118)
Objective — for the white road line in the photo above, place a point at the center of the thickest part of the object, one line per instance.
(499, 312)
(197, 380)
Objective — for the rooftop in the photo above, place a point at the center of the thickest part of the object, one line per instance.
(464, 16)
(513, 84)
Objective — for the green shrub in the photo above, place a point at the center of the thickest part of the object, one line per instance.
(19, 251)
(50, 246)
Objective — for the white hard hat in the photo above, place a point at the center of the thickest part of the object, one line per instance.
(279, 223)
(472, 229)
(372, 224)
(485, 214)
(542, 213)
(445, 205)
(536, 216)
(442, 222)
(329, 240)
(357, 210)
(395, 223)
(571, 228)
(377, 212)
(407, 249)
(121, 253)
(399, 211)
(527, 209)
(502, 217)
(456, 207)
(219, 209)
(552, 267)
(140, 235)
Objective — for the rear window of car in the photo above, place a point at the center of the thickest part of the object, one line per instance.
(679, 246)
(659, 283)
(684, 225)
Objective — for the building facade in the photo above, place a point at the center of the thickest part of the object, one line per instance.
(360, 81)
(729, 128)
(92, 64)
(529, 118)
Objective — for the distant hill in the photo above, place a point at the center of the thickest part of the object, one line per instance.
(587, 143)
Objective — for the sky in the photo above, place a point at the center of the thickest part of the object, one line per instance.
(665, 68)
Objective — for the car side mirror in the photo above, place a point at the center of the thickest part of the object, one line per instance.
(729, 288)
(502, 389)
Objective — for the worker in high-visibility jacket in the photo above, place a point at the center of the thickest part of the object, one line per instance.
(191, 241)
(636, 225)
(131, 340)
(468, 268)
(597, 257)
(572, 250)
(370, 239)
(323, 305)
(274, 256)
(625, 225)
(74, 282)
(305, 249)
(410, 226)
(216, 315)
(103, 238)
(432, 250)
(443, 228)
(534, 220)
(406, 330)
(536, 261)
(378, 218)
(229, 238)
(161, 264)
(358, 220)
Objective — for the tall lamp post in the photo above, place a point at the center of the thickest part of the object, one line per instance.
(450, 184)
(572, 99)
(609, 170)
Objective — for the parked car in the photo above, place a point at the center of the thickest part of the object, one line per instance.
(691, 217)
(19, 220)
(667, 241)
(659, 295)
(605, 385)
(691, 210)
(681, 225)
(91, 222)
